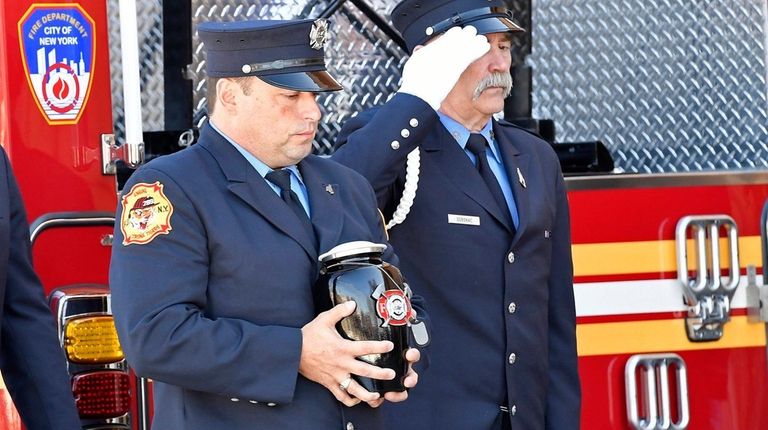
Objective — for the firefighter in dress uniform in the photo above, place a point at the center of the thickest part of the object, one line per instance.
(484, 232)
(213, 297)
(32, 362)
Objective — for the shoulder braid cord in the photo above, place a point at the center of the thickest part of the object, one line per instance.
(412, 166)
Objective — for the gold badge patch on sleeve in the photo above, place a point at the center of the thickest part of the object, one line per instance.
(146, 213)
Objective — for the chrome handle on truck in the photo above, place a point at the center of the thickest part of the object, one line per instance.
(707, 291)
(649, 392)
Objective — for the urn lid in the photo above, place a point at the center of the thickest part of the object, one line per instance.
(358, 247)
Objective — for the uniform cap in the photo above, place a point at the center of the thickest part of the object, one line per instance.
(286, 54)
(420, 20)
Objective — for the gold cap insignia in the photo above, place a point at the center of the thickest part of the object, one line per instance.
(318, 35)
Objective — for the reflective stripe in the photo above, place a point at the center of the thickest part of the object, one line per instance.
(661, 335)
(639, 297)
(653, 256)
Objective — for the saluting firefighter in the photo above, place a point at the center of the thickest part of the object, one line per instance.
(484, 232)
(213, 298)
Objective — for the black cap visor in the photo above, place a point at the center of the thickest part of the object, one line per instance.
(317, 81)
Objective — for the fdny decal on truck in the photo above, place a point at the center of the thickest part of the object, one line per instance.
(57, 46)
(146, 213)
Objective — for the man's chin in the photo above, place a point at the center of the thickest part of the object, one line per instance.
(490, 102)
(300, 151)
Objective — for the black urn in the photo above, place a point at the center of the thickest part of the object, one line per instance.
(355, 271)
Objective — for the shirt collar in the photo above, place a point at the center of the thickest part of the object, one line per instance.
(257, 164)
(461, 133)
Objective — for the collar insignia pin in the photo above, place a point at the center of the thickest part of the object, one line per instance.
(318, 34)
(329, 189)
(521, 178)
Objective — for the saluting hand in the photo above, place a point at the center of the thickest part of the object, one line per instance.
(329, 359)
(434, 68)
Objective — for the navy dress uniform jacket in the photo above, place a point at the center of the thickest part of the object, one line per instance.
(31, 360)
(212, 311)
(501, 306)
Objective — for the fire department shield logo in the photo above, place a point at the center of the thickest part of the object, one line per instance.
(146, 214)
(394, 307)
(57, 46)
(318, 34)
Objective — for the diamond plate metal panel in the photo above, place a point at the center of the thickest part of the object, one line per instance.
(151, 71)
(669, 85)
(672, 85)
(521, 43)
(360, 56)
(228, 10)
(364, 60)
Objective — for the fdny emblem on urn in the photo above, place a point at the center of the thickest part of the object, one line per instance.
(393, 306)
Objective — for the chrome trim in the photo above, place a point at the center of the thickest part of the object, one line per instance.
(657, 180)
(757, 294)
(707, 294)
(349, 249)
(142, 403)
(656, 392)
(66, 297)
(69, 219)
(131, 153)
(757, 297)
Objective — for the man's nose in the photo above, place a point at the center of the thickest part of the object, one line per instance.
(310, 108)
(499, 61)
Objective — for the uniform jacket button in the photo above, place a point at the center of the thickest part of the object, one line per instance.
(414, 122)
(513, 410)
(235, 399)
(271, 405)
(512, 307)
(512, 358)
(394, 145)
(511, 257)
(405, 133)
(350, 426)
(254, 402)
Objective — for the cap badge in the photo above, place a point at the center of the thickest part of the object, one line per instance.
(318, 35)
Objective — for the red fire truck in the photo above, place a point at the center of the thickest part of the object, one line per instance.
(667, 209)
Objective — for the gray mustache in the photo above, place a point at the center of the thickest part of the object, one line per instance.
(498, 79)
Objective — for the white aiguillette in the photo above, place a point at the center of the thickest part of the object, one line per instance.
(463, 219)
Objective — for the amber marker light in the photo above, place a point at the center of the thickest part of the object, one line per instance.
(92, 340)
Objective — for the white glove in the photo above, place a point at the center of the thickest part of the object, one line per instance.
(433, 69)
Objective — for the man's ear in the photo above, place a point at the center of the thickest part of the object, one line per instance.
(227, 92)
